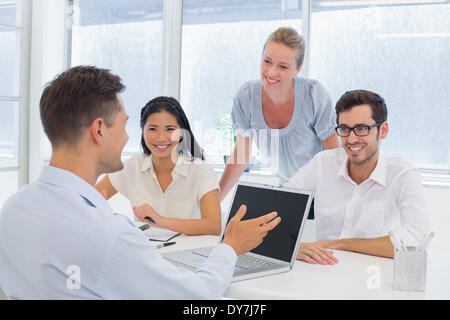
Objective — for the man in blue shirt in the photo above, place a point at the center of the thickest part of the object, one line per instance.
(59, 238)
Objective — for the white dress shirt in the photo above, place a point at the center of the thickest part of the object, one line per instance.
(391, 199)
(59, 239)
(191, 181)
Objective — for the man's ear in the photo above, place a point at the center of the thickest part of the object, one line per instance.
(96, 130)
(384, 130)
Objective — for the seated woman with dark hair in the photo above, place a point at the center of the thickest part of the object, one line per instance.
(170, 182)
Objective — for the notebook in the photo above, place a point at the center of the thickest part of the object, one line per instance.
(160, 234)
(277, 253)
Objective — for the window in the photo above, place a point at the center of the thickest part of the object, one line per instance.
(8, 13)
(9, 125)
(9, 85)
(10, 97)
(399, 49)
(8, 185)
(221, 49)
(126, 37)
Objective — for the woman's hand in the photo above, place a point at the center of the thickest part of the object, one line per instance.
(146, 210)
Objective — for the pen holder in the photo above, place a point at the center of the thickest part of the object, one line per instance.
(410, 269)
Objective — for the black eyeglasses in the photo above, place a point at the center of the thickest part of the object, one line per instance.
(359, 131)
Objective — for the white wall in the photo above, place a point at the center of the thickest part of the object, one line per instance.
(438, 200)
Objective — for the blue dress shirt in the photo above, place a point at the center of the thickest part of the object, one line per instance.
(59, 239)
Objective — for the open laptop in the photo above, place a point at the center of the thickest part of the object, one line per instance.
(277, 253)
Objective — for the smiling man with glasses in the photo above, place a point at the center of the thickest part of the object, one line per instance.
(361, 195)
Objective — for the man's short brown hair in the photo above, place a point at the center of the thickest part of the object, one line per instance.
(74, 99)
(354, 98)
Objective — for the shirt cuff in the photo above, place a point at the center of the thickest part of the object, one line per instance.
(227, 251)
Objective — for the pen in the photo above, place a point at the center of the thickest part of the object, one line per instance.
(421, 242)
(165, 244)
(150, 219)
(426, 242)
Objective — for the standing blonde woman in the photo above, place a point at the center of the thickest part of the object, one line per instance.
(290, 118)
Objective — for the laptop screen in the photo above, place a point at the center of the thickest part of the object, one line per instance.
(280, 242)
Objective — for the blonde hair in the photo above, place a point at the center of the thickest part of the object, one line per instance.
(290, 38)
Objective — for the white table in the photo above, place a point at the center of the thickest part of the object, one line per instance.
(351, 278)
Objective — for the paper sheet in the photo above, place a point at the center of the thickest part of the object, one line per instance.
(160, 234)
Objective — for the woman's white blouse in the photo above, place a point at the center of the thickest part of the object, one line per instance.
(191, 181)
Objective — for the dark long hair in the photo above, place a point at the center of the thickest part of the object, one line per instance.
(188, 145)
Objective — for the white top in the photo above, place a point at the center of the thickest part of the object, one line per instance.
(391, 199)
(59, 239)
(191, 181)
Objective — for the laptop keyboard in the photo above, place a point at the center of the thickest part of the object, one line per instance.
(204, 252)
(248, 262)
(243, 261)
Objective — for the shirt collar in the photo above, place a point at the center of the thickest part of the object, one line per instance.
(147, 164)
(378, 174)
(74, 184)
(342, 169)
(181, 167)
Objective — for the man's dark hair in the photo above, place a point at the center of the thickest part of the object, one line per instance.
(74, 99)
(188, 145)
(354, 98)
